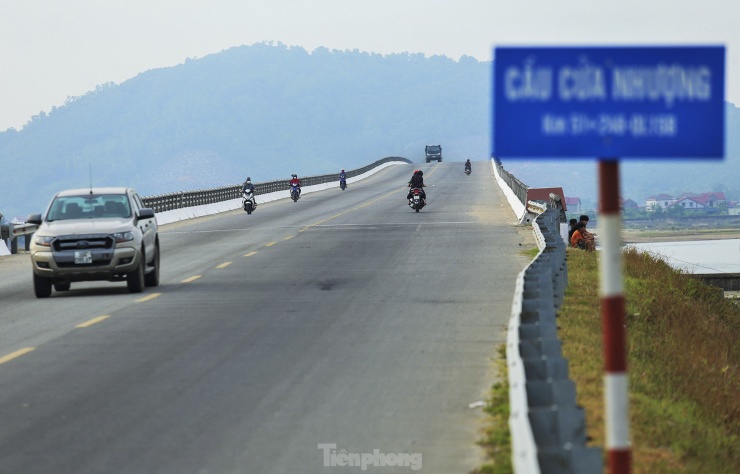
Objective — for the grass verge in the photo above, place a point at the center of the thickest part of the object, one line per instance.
(683, 364)
(684, 369)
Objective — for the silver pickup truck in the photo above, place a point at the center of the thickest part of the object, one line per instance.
(94, 234)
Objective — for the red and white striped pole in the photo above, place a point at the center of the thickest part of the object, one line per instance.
(613, 320)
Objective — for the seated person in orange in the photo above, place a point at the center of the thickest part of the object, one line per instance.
(586, 234)
(582, 239)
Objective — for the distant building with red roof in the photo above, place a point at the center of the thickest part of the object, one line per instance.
(686, 200)
(543, 194)
(658, 201)
(688, 203)
(711, 199)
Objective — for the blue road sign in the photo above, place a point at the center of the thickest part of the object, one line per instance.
(609, 102)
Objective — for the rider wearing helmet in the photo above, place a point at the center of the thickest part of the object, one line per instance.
(413, 176)
(296, 182)
(248, 186)
(417, 181)
(342, 175)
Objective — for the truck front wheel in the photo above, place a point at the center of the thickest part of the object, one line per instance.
(135, 279)
(41, 286)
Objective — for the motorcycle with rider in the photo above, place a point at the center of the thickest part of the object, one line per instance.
(295, 187)
(417, 196)
(249, 202)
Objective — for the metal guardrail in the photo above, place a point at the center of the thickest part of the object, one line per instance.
(519, 188)
(548, 428)
(181, 199)
(12, 231)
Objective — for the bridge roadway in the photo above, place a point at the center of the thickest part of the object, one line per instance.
(344, 318)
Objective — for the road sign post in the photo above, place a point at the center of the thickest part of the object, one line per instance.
(621, 103)
(613, 321)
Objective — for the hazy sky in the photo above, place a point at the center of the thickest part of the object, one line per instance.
(52, 49)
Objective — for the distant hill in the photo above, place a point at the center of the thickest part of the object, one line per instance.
(641, 179)
(265, 110)
(269, 110)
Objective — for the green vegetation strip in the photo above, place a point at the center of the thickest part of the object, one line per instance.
(684, 369)
(496, 440)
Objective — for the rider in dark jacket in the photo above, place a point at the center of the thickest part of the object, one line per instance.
(248, 186)
(417, 181)
(468, 166)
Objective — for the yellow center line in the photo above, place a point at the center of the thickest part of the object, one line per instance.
(433, 170)
(189, 279)
(148, 297)
(224, 265)
(270, 244)
(348, 211)
(16, 354)
(250, 254)
(93, 321)
(289, 237)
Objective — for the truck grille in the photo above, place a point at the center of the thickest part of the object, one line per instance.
(83, 242)
(100, 246)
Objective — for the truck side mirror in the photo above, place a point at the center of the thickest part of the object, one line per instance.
(145, 213)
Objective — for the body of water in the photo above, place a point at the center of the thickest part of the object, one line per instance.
(701, 256)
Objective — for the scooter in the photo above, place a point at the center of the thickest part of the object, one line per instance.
(467, 171)
(248, 202)
(416, 202)
(343, 184)
(295, 192)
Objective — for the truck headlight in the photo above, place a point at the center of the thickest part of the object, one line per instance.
(43, 240)
(123, 236)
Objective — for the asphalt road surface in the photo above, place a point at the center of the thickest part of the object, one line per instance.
(275, 341)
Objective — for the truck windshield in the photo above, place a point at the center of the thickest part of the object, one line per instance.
(434, 149)
(89, 206)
